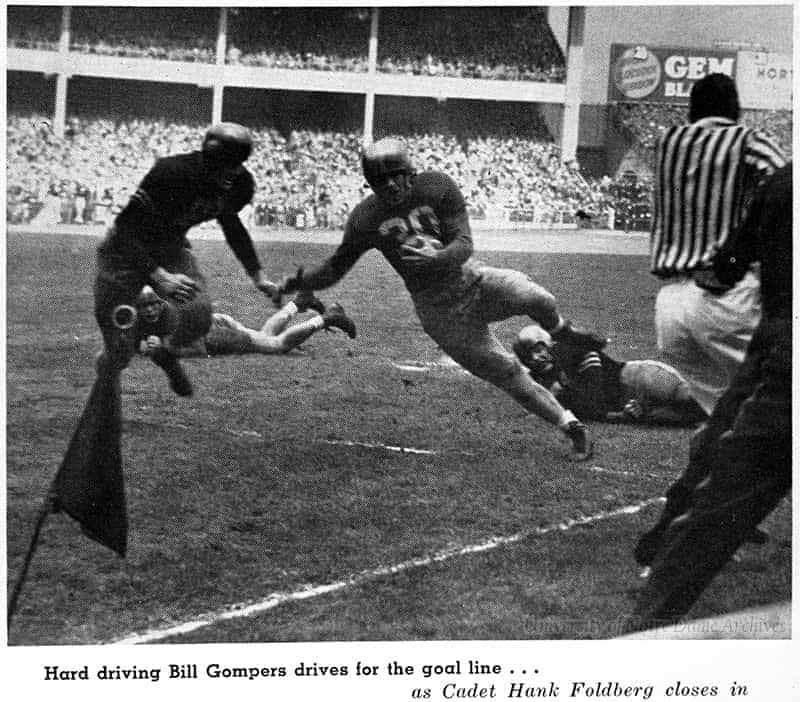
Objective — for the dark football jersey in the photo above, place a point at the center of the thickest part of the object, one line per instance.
(435, 209)
(173, 197)
(593, 387)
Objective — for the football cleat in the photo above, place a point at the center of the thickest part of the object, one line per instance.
(582, 447)
(577, 338)
(336, 317)
(306, 300)
(178, 380)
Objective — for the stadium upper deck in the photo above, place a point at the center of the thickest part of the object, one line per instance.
(511, 43)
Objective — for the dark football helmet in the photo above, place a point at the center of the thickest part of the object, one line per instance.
(227, 144)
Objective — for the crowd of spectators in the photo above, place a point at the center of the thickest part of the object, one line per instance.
(496, 43)
(312, 178)
(306, 178)
(645, 123)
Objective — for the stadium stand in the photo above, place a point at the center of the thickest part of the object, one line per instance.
(495, 43)
(515, 45)
(310, 176)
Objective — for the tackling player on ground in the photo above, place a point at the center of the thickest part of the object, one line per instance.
(228, 336)
(147, 245)
(596, 386)
(419, 222)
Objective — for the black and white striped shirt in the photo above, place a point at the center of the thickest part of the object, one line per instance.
(705, 174)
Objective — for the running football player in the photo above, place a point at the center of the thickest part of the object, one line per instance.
(596, 386)
(419, 222)
(147, 245)
(228, 336)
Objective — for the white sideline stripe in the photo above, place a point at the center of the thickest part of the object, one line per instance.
(245, 609)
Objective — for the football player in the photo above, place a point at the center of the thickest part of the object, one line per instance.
(147, 245)
(228, 336)
(596, 386)
(419, 222)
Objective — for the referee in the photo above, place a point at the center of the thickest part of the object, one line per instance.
(706, 174)
(740, 465)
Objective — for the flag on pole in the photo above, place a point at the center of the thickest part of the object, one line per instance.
(89, 485)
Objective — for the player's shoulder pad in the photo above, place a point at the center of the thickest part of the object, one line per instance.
(435, 181)
(439, 188)
(180, 168)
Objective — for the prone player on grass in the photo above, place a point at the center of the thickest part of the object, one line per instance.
(596, 386)
(419, 222)
(228, 336)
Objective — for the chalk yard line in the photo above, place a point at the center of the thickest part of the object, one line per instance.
(625, 473)
(427, 366)
(396, 449)
(251, 434)
(249, 609)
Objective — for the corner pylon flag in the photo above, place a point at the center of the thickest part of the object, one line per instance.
(89, 485)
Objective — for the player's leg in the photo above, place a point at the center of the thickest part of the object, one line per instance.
(227, 337)
(504, 292)
(193, 320)
(333, 318)
(750, 474)
(279, 320)
(703, 449)
(662, 391)
(115, 290)
(194, 316)
(723, 325)
(473, 345)
(750, 471)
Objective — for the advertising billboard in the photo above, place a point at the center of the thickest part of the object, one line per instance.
(641, 73)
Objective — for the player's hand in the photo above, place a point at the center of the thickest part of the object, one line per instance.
(178, 286)
(421, 257)
(633, 410)
(148, 346)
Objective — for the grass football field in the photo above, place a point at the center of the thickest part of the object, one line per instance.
(278, 492)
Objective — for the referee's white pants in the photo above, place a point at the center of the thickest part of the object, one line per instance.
(705, 336)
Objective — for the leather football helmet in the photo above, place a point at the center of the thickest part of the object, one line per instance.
(227, 144)
(385, 157)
